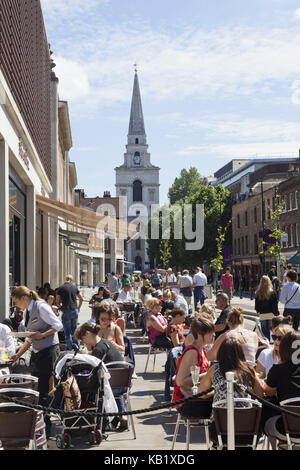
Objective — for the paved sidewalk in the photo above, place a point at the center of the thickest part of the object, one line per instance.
(154, 430)
(245, 303)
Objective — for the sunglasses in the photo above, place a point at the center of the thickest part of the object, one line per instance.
(275, 337)
(103, 319)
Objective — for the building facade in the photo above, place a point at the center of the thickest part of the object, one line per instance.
(137, 181)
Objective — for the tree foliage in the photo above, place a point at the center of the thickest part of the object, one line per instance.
(185, 185)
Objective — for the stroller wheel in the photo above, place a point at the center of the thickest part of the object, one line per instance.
(98, 436)
(92, 438)
(63, 441)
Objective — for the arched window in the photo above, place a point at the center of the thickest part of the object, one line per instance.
(136, 141)
(137, 191)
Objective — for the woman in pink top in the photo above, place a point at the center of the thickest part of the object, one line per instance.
(248, 339)
(227, 283)
(157, 325)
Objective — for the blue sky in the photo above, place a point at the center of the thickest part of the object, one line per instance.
(220, 79)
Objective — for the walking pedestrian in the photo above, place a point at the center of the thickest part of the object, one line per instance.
(199, 282)
(266, 304)
(290, 297)
(227, 283)
(113, 283)
(186, 287)
(67, 295)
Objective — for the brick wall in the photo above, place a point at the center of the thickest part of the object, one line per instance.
(25, 63)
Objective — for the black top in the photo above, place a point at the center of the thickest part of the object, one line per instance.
(105, 349)
(68, 294)
(222, 319)
(11, 323)
(268, 305)
(286, 379)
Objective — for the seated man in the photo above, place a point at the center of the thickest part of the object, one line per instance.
(222, 303)
(179, 301)
(124, 295)
(15, 321)
(6, 340)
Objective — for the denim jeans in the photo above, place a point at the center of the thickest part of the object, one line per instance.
(199, 295)
(69, 320)
(265, 326)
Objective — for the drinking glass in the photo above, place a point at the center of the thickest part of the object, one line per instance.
(195, 373)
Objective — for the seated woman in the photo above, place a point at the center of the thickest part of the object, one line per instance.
(97, 297)
(270, 356)
(174, 330)
(104, 315)
(248, 339)
(167, 303)
(105, 350)
(157, 325)
(283, 381)
(230, 358)
(194, 355)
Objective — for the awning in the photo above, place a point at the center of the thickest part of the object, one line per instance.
(88, 220)
(75, 237)
(295, 259)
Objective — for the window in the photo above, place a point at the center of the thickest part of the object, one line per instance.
(238, 221)
(243, 246)
(255, 244)
(137, 191)
(294, 235)
(296, 199)
(298, 234)
(235, 252)
(246, 218)
(293, 201)
(287, 202)
(136, 141)
(246, 245)
(239, 246)
(255, 215)
(138, 244)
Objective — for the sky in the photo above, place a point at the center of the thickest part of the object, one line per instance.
(219, 79)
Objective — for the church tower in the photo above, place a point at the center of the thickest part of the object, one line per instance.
(137, 179)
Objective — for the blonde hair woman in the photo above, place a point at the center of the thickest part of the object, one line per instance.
(248, 339)
(157, 325)
(269, 357)
(266, 304)
(206, 308)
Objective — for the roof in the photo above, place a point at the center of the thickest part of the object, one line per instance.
(136, 122)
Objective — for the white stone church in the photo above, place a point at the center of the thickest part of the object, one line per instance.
(138, 180)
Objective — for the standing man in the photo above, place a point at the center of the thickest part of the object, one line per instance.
(170, 278)
(227, 283)
(272, 272)
(222, 303)
(155, 279)
(113, 283)
(67, 295)
(199, 282)
(186, 287)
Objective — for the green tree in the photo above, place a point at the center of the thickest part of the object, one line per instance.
(185, 185)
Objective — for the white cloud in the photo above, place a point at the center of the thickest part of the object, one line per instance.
(202, 64)
(243, 150)
(243, 128)
(73, 79)
(297, 14)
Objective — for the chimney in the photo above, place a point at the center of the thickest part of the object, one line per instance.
(106, 194)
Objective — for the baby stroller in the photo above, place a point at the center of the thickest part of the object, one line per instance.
(79, 387)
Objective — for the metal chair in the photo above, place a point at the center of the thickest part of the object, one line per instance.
(188, 422)
(31, 397)
(153, 350)
(20, 381)
(17, 426)
(246, 423)
(291, 423)
(120, 378)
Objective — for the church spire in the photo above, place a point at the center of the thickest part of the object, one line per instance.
(136, 123)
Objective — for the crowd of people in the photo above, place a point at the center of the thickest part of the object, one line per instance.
(172, 311)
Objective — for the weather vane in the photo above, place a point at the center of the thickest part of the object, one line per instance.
(135, 68)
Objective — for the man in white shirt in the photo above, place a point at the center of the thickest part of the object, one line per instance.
(179, 301)
(6, 340)
(186, 286)
(290, 297)
(124, 295)
(199, 282)
(169, 278)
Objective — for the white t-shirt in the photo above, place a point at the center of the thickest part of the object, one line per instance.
(200, 279)
(267, 360)
(182, 303)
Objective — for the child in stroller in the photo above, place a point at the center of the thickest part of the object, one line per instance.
(79, 386)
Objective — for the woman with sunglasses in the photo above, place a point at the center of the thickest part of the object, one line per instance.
(283, 382)
(270, 356)
(104, 316)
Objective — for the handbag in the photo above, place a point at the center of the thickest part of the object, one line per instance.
(292, 296)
